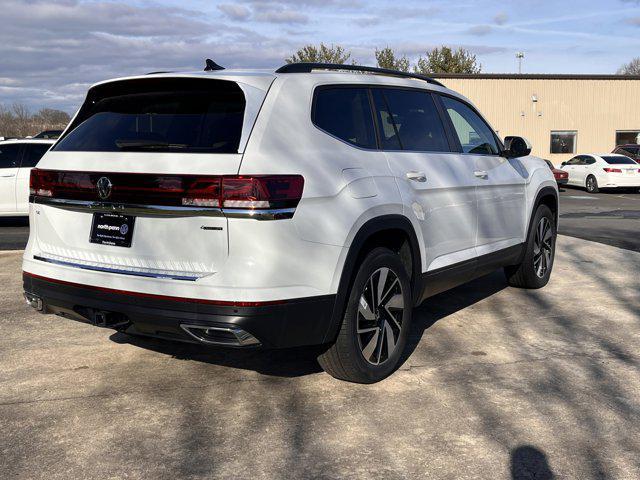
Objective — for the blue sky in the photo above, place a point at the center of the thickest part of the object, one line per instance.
(51, 51)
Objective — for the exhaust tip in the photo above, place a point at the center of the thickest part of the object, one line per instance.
(230, 336)
(34, 301)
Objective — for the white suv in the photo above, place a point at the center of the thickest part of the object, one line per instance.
(311, 205)
(17, 158)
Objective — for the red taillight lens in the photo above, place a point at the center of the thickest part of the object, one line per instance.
(237, 191)
(612, 170)
(277, 191)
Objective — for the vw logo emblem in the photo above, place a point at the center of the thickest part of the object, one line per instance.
(104, 188)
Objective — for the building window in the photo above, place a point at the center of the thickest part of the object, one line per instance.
(627, 136)
(563, 141)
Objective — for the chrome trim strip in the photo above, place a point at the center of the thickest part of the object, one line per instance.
(161, 210)
(93, 268)
(126, 209)
(273, 214)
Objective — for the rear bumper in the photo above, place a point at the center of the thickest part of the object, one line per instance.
(290, 323)
(562, 181)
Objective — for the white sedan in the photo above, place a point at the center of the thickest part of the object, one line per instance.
(17, 157)
(608, 170)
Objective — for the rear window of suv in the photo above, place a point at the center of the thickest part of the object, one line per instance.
(159, 115)
(621, 160)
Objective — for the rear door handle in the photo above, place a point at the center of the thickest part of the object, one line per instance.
(481, 173)
(417, 176)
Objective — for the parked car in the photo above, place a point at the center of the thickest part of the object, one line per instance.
(310, 205)
(630, 150)
(49, 134)
(17, 158)
(561, 176)
(608, 170)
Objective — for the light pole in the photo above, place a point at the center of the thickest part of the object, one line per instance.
(520, 56)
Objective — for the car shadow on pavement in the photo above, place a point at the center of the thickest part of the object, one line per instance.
(450, 302)
(295, 362)
(292, 362)
(528, 462)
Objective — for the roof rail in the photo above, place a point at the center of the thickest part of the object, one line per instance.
(307, 67)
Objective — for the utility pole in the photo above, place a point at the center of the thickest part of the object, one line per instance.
(520, 56)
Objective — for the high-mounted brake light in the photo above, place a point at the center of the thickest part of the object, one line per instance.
(612, 170)
(255, 192)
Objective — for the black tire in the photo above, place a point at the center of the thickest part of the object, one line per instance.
(346, 358)
(529, 273)
(592, 184)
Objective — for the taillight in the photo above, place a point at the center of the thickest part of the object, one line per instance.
(209, 191)
(40, 182)
(612, 170)
(259, 192)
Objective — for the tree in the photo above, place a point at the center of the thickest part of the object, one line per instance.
(322, 54)
(52, 117)
(445, 60)
(631, 68)
(386, 58)
(18, 121)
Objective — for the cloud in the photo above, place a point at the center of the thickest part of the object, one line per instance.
(282, 16)
(397, 13)
(50, 53)
(501, 18)
(367, 21)
(235, 12)
(480, 30)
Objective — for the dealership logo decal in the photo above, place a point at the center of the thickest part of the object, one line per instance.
(104, 188)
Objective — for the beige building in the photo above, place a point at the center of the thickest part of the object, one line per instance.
(561, 115)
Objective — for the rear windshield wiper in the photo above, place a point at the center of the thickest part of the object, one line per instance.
(142, 144)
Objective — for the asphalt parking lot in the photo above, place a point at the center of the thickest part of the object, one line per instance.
(500, 383)
(611, 217)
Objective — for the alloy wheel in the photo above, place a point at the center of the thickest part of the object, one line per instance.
(380, 312)
(590, 184)
(543, 247)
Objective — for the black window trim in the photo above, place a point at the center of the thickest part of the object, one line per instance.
(328, 86)
(445, 126)
(449, 123)
(449, 132)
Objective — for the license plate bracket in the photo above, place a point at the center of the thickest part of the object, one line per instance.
(112, 229)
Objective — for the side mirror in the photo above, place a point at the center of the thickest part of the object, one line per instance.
(563, 164)
(515, 147)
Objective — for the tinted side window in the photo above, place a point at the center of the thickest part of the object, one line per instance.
(346, 114)
(389, 136)
(411, 117)
(589, 161)
(33, 154)
(474, 134)
(10, 155)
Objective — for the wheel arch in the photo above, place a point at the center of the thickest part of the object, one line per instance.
(393, 231)
(546, 196)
